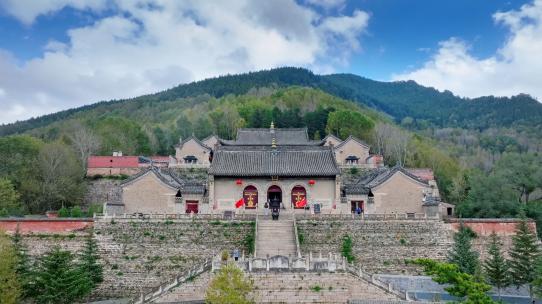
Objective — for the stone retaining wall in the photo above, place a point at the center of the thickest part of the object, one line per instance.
(139, 255)
(379, 246)
(103, 190)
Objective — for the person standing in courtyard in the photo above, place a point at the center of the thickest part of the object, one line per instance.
(266, 209)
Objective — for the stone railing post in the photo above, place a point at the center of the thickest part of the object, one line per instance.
(267, 263)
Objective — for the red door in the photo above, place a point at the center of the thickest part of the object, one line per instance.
(250, 194)
(298, 194)
(191, 206)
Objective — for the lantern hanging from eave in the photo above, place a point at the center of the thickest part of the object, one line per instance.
(312, 182)
(239, 182)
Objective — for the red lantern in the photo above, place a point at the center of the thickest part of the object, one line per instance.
(311, 182)
(239, 182)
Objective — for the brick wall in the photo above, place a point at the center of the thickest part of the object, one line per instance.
(57, 225)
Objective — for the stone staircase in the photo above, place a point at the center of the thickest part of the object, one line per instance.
(276, 237)
(311, 287)
(288, 287)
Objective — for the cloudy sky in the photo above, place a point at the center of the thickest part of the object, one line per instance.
(59, 54)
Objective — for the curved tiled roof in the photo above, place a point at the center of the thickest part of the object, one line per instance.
(375, 178)
(361, 142)
(280, 161)
(264, 136)
(199, 142)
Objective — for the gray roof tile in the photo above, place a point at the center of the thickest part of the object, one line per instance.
(267, 161)
(264, 136)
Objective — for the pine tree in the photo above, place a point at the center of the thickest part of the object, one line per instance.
(537, 284)
(10, 288)
(523, 255)
(59, 280)
(495, 266)
(462, 253)
(24, 269)
(89, 260)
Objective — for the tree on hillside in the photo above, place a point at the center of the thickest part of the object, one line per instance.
(343, 123)
(537, 284)
(9, 199)
(522, 171)
(61, 177)
(496, 268)
(84, 142)
(524, 254)
(19, 155)
(229, 286)
(462, 284)
(59, 279)
(462, 253)
(10, 288)
(392, 143)
(122, 134)
(89, 260)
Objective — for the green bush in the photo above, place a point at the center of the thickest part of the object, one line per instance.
(346, 249)
(94, 208)
(76, 212)
(63, 212)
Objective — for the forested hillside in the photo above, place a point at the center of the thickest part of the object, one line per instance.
(426, 106)
(485, 152)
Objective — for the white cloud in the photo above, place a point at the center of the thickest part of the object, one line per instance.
(151, 45)
(515, 68)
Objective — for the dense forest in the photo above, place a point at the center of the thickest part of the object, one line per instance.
(485, 151)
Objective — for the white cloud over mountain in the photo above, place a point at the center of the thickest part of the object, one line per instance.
(147, 46)
(515, 68)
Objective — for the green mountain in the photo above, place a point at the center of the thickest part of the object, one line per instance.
(426, 106)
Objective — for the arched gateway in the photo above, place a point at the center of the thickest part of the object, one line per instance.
(298, 194)
(274, 193)
(250, 194)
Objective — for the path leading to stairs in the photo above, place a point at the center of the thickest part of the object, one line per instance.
(276, 237)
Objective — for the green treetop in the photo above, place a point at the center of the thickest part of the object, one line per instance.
(462, 253)
(59, 279)
(523, 255)
(495, 266)
(229, 286)
(10, 289)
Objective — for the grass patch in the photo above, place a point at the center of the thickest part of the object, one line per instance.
(316, 288)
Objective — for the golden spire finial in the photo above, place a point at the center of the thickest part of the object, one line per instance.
(274, 142)
(272, 124)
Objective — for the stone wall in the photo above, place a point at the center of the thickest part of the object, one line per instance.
(379, 246)
(138, 255)
(383, 246)
(103, 190)
(141, 254)
(50, 226)
(504, 228)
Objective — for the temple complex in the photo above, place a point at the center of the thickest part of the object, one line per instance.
(283, 166)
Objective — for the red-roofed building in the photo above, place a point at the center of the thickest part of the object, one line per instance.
(112, 165)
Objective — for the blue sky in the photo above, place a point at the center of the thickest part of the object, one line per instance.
(60, 54)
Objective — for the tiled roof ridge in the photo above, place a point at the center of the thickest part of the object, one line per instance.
(351, 137)
(180, 145)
